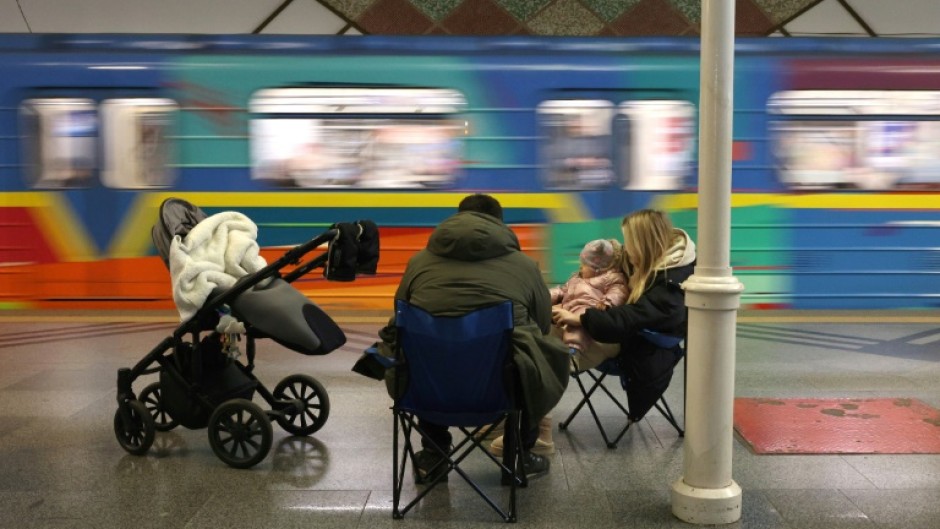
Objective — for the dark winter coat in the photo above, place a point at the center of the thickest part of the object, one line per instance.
(473, 260)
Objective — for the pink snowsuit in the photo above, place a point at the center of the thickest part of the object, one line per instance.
(578, 294)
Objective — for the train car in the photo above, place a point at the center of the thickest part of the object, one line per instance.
(836, 155)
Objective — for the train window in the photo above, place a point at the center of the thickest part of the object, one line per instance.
(357, 137)
(137, 142)
(655, 141)
(576, 152)
(59, 138)
(861, 139)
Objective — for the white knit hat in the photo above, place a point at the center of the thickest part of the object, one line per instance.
(599, 254)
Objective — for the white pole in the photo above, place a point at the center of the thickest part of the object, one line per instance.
(706, 493)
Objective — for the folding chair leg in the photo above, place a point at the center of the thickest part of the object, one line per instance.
(398, 472)
(512, 463)
(586, 400)
(585, 394)
(400, 468)
(512, 457)
(663, 407)
(620, 435)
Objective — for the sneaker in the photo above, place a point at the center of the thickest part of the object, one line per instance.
(428, 465)
(534, 465)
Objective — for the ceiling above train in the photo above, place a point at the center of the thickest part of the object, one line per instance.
(874, 18)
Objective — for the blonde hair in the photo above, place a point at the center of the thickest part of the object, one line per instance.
(647, 235)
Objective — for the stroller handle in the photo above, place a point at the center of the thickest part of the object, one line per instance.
(295, 254)
(292, 256)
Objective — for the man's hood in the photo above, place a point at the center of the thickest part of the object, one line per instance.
(472, 236)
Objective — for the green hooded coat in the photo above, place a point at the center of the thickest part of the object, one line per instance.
(473, 260)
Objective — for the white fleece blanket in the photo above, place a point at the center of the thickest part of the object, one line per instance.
(215, 253)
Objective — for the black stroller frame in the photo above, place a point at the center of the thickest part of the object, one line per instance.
(240, 431)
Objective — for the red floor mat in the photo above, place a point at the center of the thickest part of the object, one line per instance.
(838, 426)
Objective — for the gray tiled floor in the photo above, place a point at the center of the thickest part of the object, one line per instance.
(62, 467)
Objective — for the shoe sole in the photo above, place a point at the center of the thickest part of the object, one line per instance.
(536, 475)
(505, 480)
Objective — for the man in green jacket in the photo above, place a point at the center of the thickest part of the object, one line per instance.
(473, 260)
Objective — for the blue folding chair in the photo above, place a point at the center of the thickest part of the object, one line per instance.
(459, 374)
(642, 395)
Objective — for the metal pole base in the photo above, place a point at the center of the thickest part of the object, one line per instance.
(706, 506)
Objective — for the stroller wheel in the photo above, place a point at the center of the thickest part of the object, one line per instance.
(153, 400)
(313, 400)
(240, 433)
(134, 428)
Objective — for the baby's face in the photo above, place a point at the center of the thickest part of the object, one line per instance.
(587, 272)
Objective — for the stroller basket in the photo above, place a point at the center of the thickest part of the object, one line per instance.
(209, 369)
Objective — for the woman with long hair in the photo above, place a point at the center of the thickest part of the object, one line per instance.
(657, 259)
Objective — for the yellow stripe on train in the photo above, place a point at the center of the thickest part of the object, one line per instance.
(133, 238)
(71, 241)
(57, 221)
(885, 201)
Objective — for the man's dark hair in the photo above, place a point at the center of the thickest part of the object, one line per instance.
(481, 204)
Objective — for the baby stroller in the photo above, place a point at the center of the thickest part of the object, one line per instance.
(201, 381)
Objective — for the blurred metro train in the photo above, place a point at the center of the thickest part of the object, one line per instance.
(836, 154)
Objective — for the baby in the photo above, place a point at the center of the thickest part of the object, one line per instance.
(598, 283)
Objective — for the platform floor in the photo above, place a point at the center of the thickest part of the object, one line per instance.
(62, 467)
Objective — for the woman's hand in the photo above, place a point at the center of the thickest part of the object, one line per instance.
(561, 317)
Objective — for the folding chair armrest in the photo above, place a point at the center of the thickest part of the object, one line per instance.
(373, 365)
(659, 339)
(383, 360)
